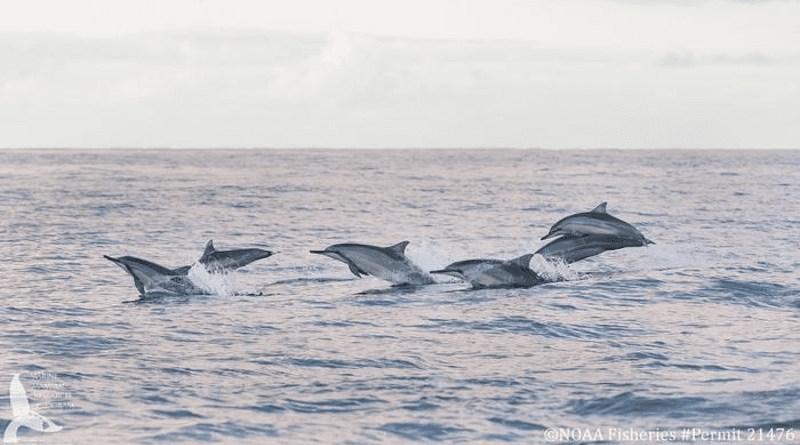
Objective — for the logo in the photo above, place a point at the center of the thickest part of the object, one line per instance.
(23, 415)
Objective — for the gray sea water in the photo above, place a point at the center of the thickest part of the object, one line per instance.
(700, 331)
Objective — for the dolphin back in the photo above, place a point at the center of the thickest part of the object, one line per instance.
(510, 274)
(230, 260)
(387, 263)
(571, 249)
(596, 222)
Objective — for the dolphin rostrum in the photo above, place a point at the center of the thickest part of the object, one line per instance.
(508, 274)
(149, 277)
(467, 270)
(23, 415)
(388, 263)
(570, 248)
(229, 260)
(596, 222)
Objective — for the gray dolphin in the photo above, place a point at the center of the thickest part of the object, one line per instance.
(570, 248)
(229, 260)
(467, 270)
(508, 274)
(596, 222)
(388, 263)
(151, 278)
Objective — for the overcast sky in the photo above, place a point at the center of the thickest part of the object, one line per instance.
(401, 73)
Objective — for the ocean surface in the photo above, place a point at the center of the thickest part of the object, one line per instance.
(699, 332)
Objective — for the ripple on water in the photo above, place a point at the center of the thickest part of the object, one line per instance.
(751, 293)
(421, 431)
(353, 364)
(629, 404)
(526, 326)
(216, 432)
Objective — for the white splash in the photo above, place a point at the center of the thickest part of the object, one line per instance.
(223, 284)
(553, 270)
(427, 256)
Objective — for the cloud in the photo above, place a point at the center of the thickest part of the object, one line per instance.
(237, 87)
(683, 58)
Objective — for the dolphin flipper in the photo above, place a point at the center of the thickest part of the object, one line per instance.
(356, 271)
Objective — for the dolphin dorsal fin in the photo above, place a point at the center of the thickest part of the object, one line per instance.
(600, 209)
(209, 251)
(182, 270)
(399, 248)
(523, 261)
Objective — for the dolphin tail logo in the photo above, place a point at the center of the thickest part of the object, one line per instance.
(22, 414)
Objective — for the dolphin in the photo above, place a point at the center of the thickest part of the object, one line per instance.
(508, 274)
(467, 270)
(149, 277)
(571, 248)
(596, 222)
(388, 263)
(229, 260)
(23, 415)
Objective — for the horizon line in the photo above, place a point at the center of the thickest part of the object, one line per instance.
(399, 148)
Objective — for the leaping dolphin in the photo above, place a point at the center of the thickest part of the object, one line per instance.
(508, 274)
(23, 415)
(596, 222)
(467, 270)
(494, 273)
(570, 248)
(388, 263)
(152, 278)
(229, 260)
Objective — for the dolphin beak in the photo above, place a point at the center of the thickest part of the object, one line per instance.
(117, 262)
(452, 273)
(549, 235)
(318, 252)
